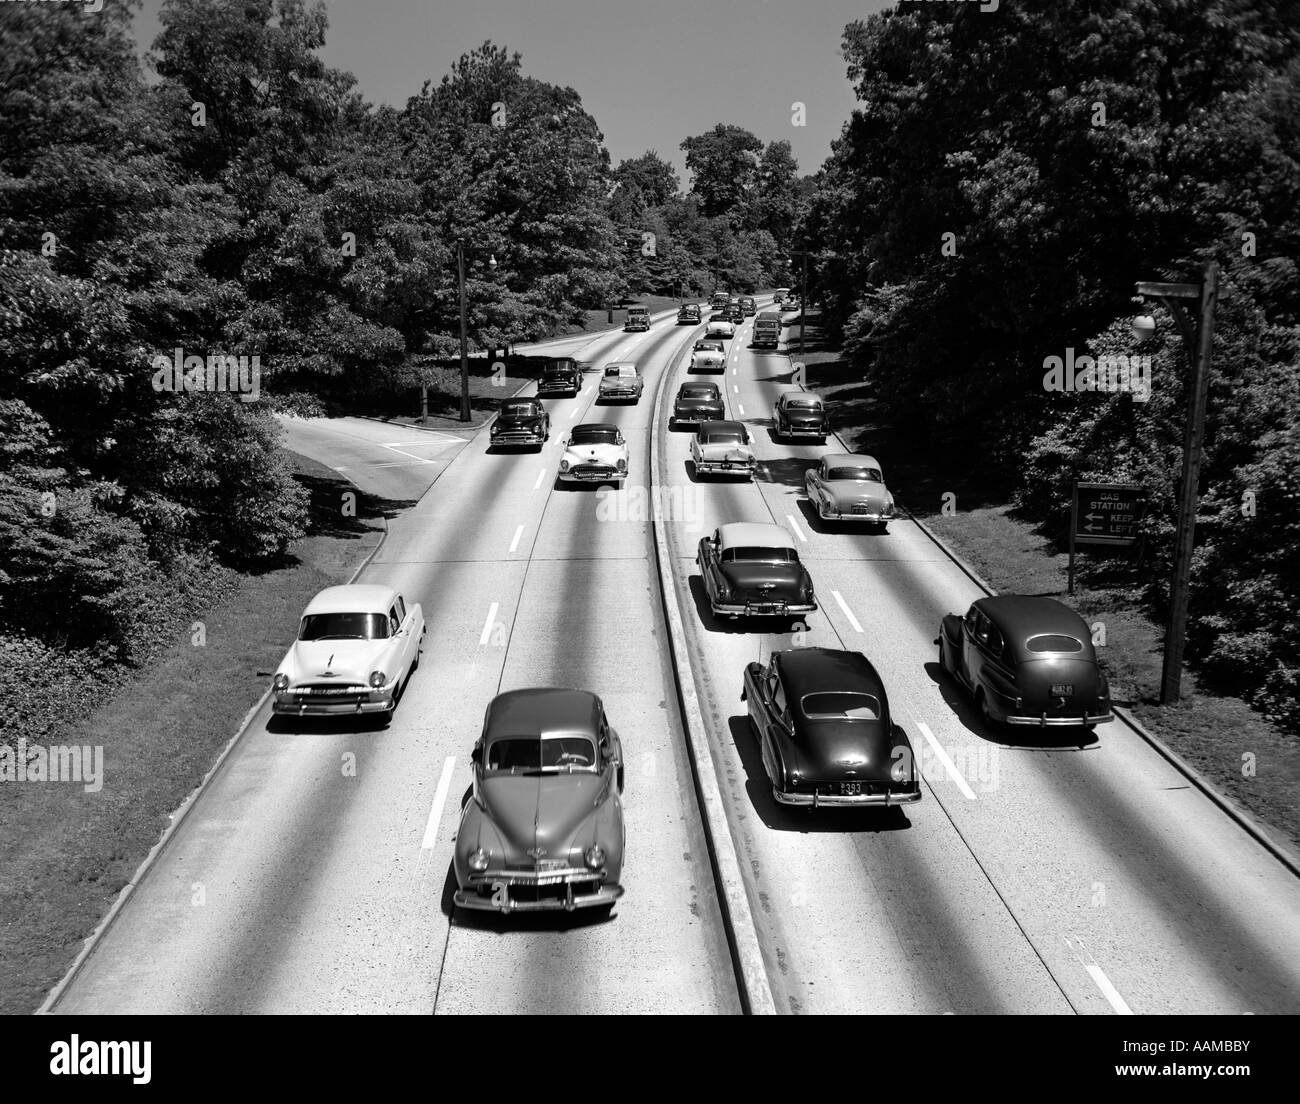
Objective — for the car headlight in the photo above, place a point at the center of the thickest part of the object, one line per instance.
(376, 679)
(622, 465)
(280, 682)
(564, 465)
(477, 860)
(594, 856)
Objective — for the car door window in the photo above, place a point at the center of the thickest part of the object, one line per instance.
(394, 622)
(778, 697)
(401, 608)
(994, 641)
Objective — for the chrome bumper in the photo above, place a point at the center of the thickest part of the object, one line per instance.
(469, 898)
(518, 439)
(626, 393)
(732, 609)
(326, 708)
(1044, 721)
(718, 467)
(791, 431)
(592, 477)
(816, 800)
(839, 515)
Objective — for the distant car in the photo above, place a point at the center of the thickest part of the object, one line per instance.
(1027, 661)
(849, 487)
(779, 294)
(709, 355)
(791, 303)
(800, 414)
(720, 300)
(723, 448)
(695, 403)
(689, 314)
(736, 314)
(544, 828)
(621, 380)
(594, 453)
(638, 320)
(521, 422)
(357, 647)
(748, 305)
(752, 569)
(767, 330)
(825, 732)
(720, 328)
(561, 376)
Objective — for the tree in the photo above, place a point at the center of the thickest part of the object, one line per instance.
(655, 179)
(723, 163)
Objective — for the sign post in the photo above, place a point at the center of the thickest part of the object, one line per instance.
(1106, 514)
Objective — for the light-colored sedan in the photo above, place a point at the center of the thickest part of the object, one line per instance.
(621, 380)
(356, 649)
(720, 329)
(594, 453)
(708, 356)
(850, 487)
(723, 448)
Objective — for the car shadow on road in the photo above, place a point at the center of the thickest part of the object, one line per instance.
(1012, 737)
(788, 470)
(821, 525)
(503, 923)
(338, 725)
(803, 818)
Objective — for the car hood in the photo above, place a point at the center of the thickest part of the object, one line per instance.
(347, 660)
(847, 492)
(541, 810)
(600, 454)
(519, 421)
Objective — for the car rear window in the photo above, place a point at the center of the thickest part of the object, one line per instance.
(1053, 642)
(841, 706)
(723, 437)
(749, 554)
(869, 475)
(518, 410)
(699, 393)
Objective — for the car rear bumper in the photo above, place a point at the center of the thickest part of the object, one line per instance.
(622, 393)
(875, 518)
(758, 609)
(524, 891)
(697, 417)
(801, 431)
(1042, 720)
(817, 800)
(721, 467)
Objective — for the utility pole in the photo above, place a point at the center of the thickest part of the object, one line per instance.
(464, 339)
(803, 301)
(1198, 338)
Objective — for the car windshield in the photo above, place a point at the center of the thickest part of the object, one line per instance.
(749, 554)
(517, 410)
(615, 370)
(723, 437)
(558, 368)
(841, 706)
(344, 626)
(595, 435)
(541, 754)
(1051, 642)
(868, 475)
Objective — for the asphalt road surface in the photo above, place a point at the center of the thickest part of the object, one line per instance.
(1049, 874)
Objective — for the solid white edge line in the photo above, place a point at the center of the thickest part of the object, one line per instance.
(946, 760)
(847, 612)
(487, 625)
(439, 800)
(514, 544)
(795, 526)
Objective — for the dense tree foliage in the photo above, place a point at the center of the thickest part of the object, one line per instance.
(1014, 176)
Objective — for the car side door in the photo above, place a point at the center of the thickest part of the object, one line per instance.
(708, 556)
(970, 660)
(775, 726)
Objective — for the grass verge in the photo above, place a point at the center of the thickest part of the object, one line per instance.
(65, 854)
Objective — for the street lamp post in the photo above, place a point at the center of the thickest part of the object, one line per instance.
(1198, 337)
(464, 340)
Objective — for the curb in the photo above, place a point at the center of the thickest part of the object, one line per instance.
(177, 819)
(737, 918)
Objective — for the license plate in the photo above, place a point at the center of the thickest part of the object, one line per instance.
(767, 607)
(328, 690)
(552, 864)
(850, 789)
(1062, 689)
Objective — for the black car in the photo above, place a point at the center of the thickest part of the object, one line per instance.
(521, 422)
(735, 313)
(561, 376)
(1027, 661)
(688, 314)
(752, 569)
(800, 414)
(822, 720)
(696, 403)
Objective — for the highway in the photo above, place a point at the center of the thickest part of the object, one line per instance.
(1049, 875)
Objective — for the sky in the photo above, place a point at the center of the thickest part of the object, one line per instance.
(651, 72)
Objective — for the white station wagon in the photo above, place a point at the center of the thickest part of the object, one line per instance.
(356, 649)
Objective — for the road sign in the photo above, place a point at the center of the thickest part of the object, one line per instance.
(1107, 513)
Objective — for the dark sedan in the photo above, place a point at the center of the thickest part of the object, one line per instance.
(696, 403)
(544, 829)
(1027, 661)
(521, 422)
(823, 724)
(561, 376)
(800, 414)
(688, 314)
(752, 569)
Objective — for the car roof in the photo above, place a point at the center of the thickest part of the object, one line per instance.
(795, 393)
(543, 709)
(722, 424)
(622, 364)
(353, 598)
(849, 460)
(753, 534)
(1021, 616)
(768, 314)
(826, 670)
